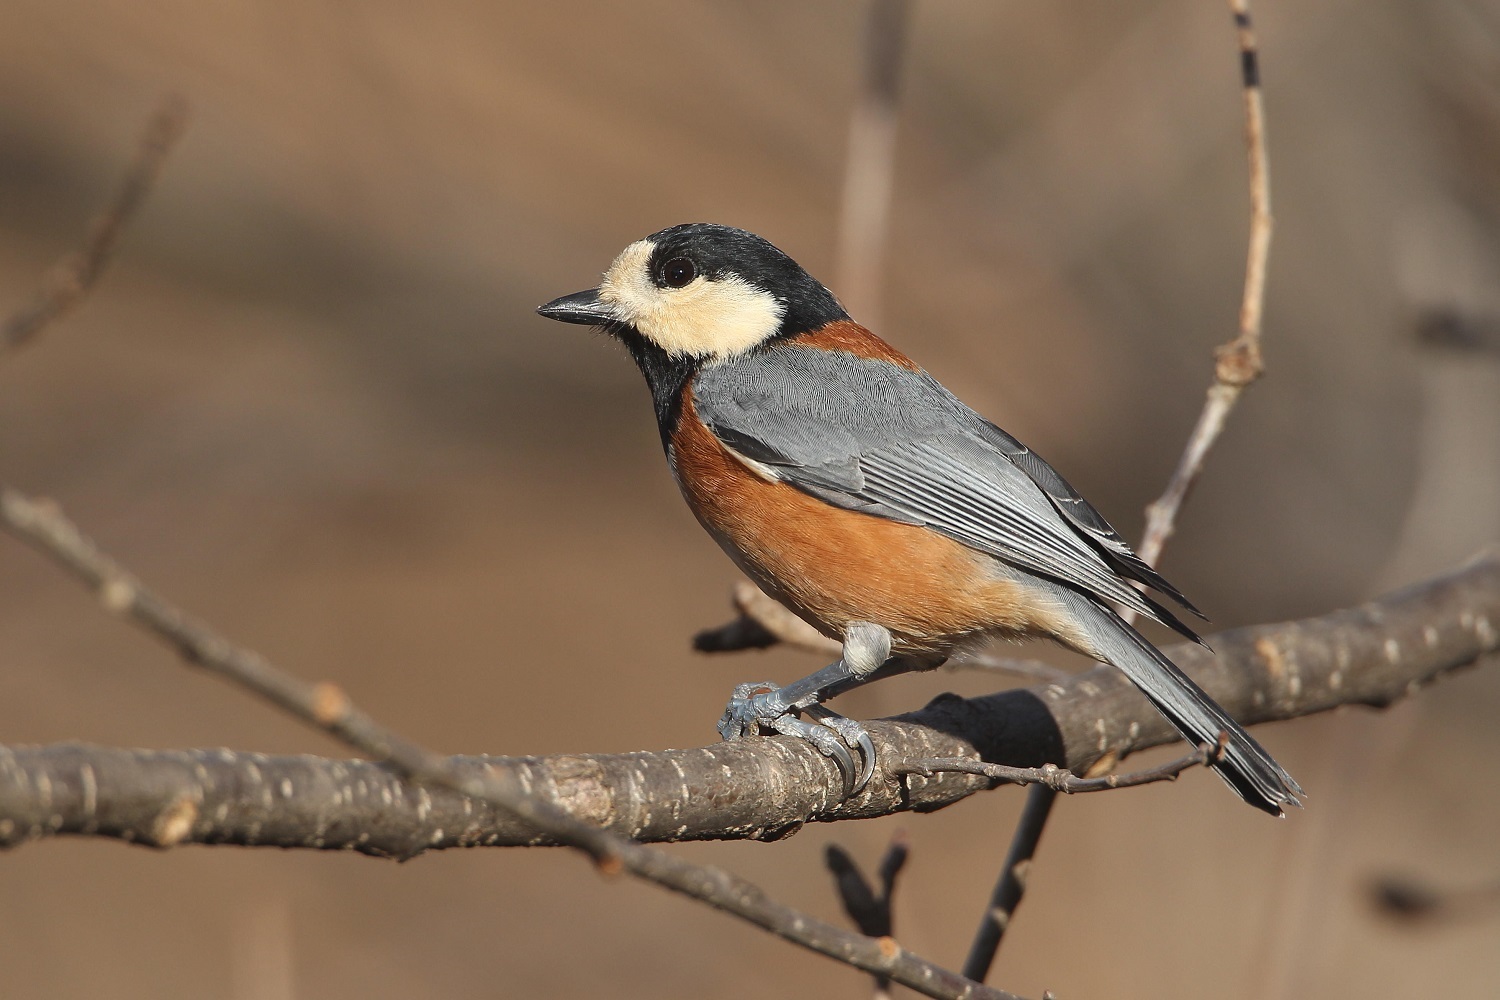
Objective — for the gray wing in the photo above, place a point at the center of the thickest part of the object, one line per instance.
(872, 436)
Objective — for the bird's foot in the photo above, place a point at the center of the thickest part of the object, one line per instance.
(759, 707)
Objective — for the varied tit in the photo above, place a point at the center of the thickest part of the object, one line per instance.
(856, 490)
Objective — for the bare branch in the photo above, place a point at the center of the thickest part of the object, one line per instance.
(763, 788)
(537, 817)
(1237, 364)
(73, 276)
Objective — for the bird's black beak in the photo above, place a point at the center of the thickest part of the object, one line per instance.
(580, 307)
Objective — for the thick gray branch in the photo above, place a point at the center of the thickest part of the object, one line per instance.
(1371, 655)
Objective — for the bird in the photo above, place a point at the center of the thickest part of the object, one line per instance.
(854, 488)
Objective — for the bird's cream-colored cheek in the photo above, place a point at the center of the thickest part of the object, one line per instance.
(705, 318)
(711, 318)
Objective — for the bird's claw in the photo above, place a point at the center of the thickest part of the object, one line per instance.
(854, 735)
(755, 707)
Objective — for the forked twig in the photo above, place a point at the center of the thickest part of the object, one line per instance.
(869, 908)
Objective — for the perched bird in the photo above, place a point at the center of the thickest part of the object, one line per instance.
(855, 489)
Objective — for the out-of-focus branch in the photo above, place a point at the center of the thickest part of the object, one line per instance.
(507, 793)
(72, 277)
(762, 622)
(870, 167)
(1462, 331)
(1418, 901)
(763, 788)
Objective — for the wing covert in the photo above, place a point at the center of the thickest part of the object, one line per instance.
(871, 436)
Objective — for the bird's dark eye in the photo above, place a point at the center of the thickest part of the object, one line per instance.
(678, 272)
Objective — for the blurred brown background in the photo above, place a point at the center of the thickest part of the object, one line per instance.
(311, 401)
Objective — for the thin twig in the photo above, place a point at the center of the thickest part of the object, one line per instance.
(72, 277)
(325, 706)
(1237, 364)
(1058, 779)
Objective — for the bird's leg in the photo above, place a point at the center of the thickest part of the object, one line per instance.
(760, 706)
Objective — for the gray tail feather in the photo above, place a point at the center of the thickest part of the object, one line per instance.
(1244, 764)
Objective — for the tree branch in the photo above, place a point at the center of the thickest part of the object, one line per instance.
(1372, 655)
(538, 817)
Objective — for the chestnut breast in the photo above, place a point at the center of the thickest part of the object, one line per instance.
(833, 566)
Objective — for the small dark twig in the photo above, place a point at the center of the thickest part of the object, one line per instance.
(1046, 783)
(73, 276)
(870, 910)
(1011, 887)
(895, 859)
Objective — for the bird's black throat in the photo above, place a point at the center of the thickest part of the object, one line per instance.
(666, 376)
